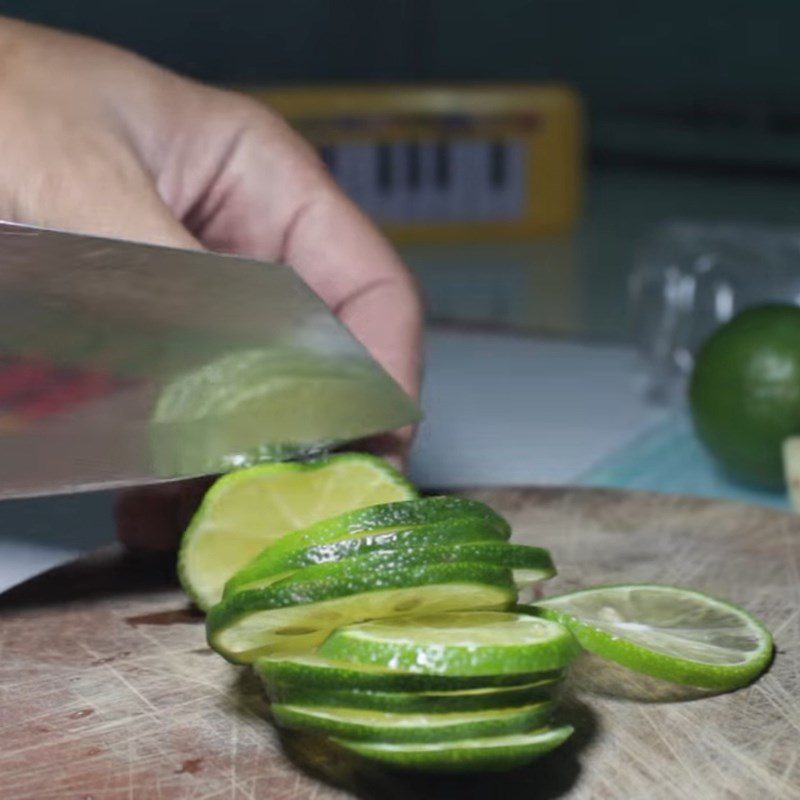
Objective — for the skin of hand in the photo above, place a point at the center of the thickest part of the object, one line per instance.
(97, 140)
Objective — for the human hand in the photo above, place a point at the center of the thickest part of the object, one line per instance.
(97, 140)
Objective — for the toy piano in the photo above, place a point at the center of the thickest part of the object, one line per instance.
(446, 163)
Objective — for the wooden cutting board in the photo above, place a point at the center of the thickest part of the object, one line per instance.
(108, 691)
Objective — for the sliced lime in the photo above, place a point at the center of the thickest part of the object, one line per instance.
(415, 702)
(399, 551)
(491, 754)
(379, 726)
(321, 673)
(679, 635)
(245, 511)
(297, 613)
(340, 397)
(361, 532)
(466, 643)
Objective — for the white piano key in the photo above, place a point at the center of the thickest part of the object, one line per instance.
(430, 199)
(514, 192)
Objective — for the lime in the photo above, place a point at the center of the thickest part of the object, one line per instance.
(416, 702)
(466, 643)
(491, 754)
(342, 397)
(745, 391)
(675, 634)
(530, 564)
(245, 511)
(433, 521)
(320, 673)
(380, 726)
(295, 614)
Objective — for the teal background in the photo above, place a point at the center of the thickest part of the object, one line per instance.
(715, 81)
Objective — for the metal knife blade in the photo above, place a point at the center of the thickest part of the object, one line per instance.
(125, 363)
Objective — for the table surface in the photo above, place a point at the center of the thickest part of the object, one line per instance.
(111, 691)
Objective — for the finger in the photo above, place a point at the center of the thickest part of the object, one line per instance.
(85, 181)
(273, 199)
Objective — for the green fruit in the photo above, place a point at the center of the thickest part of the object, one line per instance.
(675, 634)
(416, 702)
(296, 614)
(529, 564)
(322, 674)
(413, 523)
(745, 392)
(247, 510)
(381, 726)
(465, 643)
(491, 754)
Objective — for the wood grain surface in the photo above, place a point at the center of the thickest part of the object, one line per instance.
(108, 691)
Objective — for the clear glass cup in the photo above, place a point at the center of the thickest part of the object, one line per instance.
(690, 277)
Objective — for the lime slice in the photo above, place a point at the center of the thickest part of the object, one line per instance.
(432, 521)
(492, 754)
(379, 726)
(403, 550)
(342, 397)
(245, 511)
(468, 643)
(675, 634)
(297, 613)
(416, 702)
(321, 673)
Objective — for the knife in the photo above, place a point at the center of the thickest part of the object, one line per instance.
(124, 363)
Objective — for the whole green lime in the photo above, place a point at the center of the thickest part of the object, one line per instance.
(745, 392)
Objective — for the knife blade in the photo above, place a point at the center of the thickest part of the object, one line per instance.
(124, 363)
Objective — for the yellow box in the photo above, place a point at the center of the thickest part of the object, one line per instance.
(448, 163)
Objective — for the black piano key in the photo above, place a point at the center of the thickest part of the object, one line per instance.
(413, 165)
(328, 155)
(498, 165)
(384, 167)
(442, 165)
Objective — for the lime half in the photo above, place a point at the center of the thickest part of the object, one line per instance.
(465, 643)
(248, 510)
(679, 635)
(491, 754)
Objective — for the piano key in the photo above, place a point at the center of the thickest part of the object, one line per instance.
(515, 191)
(498, 164)
(412, 166)
(328, 155)
(384, 167)
(442, 151)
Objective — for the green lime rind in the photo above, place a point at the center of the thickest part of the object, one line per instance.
(321, 673)
(415, 702)
(203, 580)
(491, 754)
(314, 601)
(469, 643)
(378, 726)
(386, 517)
(409, 550)
(278, 561)
(743, 649)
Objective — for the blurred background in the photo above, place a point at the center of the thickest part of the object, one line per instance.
(606, 183)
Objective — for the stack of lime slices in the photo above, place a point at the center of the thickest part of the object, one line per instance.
(389, 622)
(458, 691)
